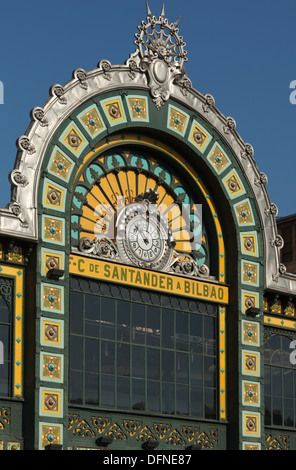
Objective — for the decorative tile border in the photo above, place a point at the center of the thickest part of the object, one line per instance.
(250, 273)
(54, 196)
(244, 213)
(199, 137)
(218, 158)
(250, 333)
(138, 108)
(251, 363)
(51, 402)
(249, 299)
(50, 433)
(51, 367)
(92, 121)
(51, 259)
(52, 298)
(73, 139)
(177, 120)
(60, 165)
(114, 111)
(251, 393)
(52, 333)
(53, 229)
(251, 424)
(249, 243)
(233, 185)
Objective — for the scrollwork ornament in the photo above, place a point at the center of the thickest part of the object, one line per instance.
(18, 179)
(262, 180)
(209, 103)
(105, 65)
(38, 114)
(24, 144)
(161, 55)
(15, 208)
(272, 210)
(277, 242)
(58, 91)
(80, 75)
(132, 68)
(101, 247)
(230, 125)
(248, 152)
(282, 270)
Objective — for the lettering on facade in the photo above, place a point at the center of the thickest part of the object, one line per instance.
(148, 279)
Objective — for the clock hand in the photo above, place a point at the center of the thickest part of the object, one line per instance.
(140, 230)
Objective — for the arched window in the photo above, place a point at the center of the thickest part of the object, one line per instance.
(279, 382)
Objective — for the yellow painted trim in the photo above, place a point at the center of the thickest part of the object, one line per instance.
(17, 369)
(162, 282)
(222, 362)
(280, 322)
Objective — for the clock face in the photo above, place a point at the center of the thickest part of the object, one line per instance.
(144, 239)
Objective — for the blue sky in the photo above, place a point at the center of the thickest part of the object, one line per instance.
(242, 52)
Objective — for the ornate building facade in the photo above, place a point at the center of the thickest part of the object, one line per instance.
(143, 297)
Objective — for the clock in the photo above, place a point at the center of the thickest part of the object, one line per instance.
(144, 237)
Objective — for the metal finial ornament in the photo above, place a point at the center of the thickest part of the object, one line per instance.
(160, 54)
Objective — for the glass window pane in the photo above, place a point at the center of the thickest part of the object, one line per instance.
(107, 357)
(138, 362)
(153, 364)
(76, 356)
(107, 390)
(210, 403)
(123, 321)
(123, 359)
(267, 384)
(107, 318)
(4, 379)
(181, 400)
(277, 415)
(167, 328)
(138, 323)
(196, 402)
(196, 370)
(138, 394)
(209, 336)
(91, 355)
(288, 383)
(76, 382)
(168, 398)
(4, 312)
(91, 389)
(123, 393)
(153, 396)
(4, 337)
(76, 318)
(267, 402)
(210, 371)
(168, 366)
(276, 381)
(196, 333)
(153, 326)
(288, 412)
(92, 315)
(182, 338)
(182, 367)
